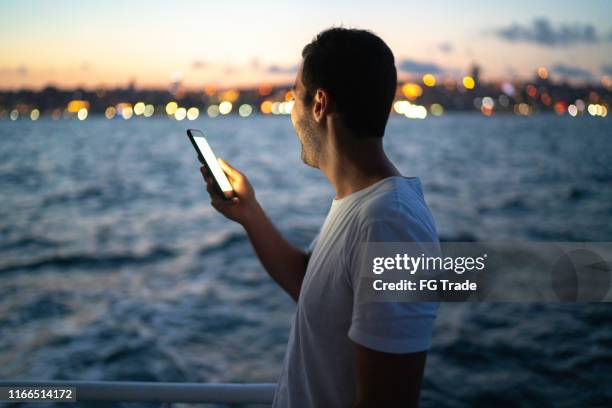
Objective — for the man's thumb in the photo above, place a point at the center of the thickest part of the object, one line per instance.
(229, 170)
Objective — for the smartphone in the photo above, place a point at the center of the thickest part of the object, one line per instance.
(221, 184)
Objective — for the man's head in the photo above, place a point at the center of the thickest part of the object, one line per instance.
(348, 73)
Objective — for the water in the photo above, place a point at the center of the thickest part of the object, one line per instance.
(113, 266)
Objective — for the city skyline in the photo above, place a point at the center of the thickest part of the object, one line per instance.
(245, 44)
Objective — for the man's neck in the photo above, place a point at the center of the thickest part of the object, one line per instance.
(353, 164)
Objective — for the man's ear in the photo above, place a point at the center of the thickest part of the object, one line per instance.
(321, 105)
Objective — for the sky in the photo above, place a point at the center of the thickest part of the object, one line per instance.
(241, 43)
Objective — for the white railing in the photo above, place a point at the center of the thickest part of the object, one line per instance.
(161, 392)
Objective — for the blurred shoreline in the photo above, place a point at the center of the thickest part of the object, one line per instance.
(415, 99)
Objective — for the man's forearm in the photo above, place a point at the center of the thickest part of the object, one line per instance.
(285, 263)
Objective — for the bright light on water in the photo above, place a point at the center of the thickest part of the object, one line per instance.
(288, 107)
(149, 110)
(213, 111)
(266, 107)
(245, 110)
(127, 112)
(488, 102)
(436, 109)
(415, 112)
(171, 108)
(225, 107)
(110, 112)
(180, 114)
(193, 113)
(139, 108)
(400, 106)
(82, 114)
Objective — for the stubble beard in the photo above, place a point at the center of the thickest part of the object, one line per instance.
(311, 149)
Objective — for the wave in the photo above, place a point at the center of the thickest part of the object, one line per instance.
(221, 243)
(58, 198)
(30, 242)
(91, 261)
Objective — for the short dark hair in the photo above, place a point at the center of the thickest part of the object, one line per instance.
(358, 69)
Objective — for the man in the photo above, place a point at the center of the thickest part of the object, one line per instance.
(344, 351)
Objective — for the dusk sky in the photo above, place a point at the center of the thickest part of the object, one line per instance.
(237, 43)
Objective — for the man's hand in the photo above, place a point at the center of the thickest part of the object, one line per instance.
(240, 207)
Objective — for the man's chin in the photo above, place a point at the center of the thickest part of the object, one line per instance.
(307, 161)
(314, 166)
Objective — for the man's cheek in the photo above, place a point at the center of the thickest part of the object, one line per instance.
(293, 117)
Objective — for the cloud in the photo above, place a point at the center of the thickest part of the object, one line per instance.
(542, 32)
(572, 71)
(446, 47)
(277, 69)
(417, 67)
(606, 69)
(199, 64)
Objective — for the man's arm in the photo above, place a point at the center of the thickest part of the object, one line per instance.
(285, 263)
(388, 379)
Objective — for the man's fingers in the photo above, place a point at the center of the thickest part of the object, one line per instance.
(209, 184)
(220, 203)
(217, 202)
(229, 170)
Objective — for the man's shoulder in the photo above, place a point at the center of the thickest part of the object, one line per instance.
(398, 197)
(399, 204)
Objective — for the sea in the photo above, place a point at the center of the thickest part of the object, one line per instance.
(114, 266)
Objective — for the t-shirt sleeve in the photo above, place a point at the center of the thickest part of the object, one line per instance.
(388, 326)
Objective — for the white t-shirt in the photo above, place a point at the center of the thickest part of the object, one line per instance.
(318, 369)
